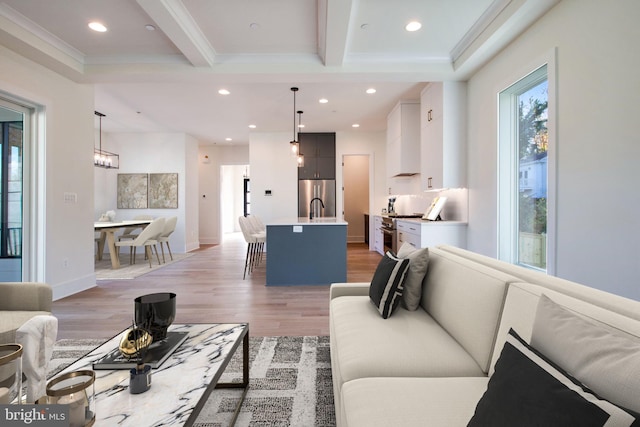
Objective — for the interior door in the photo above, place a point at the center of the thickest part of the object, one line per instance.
(355, 193)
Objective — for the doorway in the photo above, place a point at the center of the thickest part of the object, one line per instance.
(355, 195)
(233, 196)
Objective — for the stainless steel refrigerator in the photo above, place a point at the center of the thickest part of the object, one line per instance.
(324, 189)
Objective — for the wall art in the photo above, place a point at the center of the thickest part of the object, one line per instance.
(163, 190)
(132, 190)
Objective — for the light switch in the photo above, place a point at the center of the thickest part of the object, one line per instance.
(71, 198)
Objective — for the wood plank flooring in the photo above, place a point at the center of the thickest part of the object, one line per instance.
(210, 289)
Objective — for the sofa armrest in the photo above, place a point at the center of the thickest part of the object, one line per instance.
(25, 296)
(349, 289)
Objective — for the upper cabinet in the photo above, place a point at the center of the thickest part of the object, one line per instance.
(443, 135)
(403, 139)
(319, 150)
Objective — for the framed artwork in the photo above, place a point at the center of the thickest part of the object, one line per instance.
(163, 190)
(132, 190)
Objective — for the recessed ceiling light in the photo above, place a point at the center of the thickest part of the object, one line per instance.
(413, 26)
(364, 26)
(252, 126)
(371, 90)
(228, 139)
(355, 125)
(224, 92)
(254, 25)
(97, 26)
(150, 27)
(300, 125)
(323, 100)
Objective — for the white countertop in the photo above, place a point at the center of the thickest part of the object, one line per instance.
(427, 222)
(307, 221)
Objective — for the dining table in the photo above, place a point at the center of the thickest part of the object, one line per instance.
(107, 232)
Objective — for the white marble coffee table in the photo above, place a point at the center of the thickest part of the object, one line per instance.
(179, 388)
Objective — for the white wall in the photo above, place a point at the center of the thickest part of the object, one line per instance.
(209, 183)
(64, 245)
(154, 153)
(597, 174)
(273, 168)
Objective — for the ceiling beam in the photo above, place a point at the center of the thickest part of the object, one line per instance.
(176, 22)
(28, 39)
(334, 17)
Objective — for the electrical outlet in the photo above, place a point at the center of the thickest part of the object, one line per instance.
(65, 262)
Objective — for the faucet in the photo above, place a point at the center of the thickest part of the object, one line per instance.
(311, 206)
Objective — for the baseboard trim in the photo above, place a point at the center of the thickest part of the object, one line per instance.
(62, 290)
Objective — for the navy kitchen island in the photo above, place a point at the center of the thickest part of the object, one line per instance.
(306, 252)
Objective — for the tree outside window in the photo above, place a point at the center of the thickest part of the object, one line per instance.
(533, 140)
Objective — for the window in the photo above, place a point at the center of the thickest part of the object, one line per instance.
(12, 132)
(523, 171)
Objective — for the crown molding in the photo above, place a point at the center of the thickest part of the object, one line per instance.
(40, 33)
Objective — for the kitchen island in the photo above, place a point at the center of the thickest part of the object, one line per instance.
(303, 251)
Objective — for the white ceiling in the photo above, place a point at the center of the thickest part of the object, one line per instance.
(167, 80)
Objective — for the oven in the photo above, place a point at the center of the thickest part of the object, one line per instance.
(388, 229)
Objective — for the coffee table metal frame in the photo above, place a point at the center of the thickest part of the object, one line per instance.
(209, 344)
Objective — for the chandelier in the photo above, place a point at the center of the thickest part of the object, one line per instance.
(103, 158)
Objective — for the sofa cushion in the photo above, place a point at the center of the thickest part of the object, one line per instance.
(387, 284)
(418, 264)
(466, 298)
(12, 320)
(411, 402)
(408, 344)
(526, 389)
(522, 302)
(606, 361)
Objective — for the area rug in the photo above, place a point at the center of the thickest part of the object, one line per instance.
(126, 271)
(289, 383)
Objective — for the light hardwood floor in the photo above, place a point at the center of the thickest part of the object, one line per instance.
(210, 289)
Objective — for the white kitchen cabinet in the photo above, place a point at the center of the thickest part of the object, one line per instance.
(443, 135)
(403, 139)
(424, 234)
(408, 232)
(378, 238)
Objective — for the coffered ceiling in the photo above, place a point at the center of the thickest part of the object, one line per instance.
(160, 64)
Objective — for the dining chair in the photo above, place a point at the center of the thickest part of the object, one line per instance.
(128, 232)
(169, 228)
(147, 238)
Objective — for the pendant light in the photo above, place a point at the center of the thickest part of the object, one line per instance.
(294, 143)
(300, 156)
(103, 158)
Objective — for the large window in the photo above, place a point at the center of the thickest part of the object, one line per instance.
(11, 192)
(523, 171)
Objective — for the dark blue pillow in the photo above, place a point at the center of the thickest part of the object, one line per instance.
(386, 286)
(529, 390)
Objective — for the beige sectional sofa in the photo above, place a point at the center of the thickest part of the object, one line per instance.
(19, 302)
(431, 366)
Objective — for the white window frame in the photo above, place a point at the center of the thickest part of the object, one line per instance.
(508, 177)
